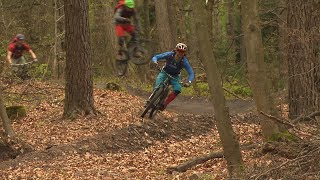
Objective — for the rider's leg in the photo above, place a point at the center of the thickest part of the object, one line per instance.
(24, 69)
(176, 90)
(121, 41)
(121, 44)
(18, 71)
(135, 38)
(171, 97)
(160, 78)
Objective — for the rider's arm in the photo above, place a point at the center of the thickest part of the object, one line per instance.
(9, 57)
(28, 48)
(33, 55)
(11, 48)
(118, 18)
(161, 56)
(189, 69)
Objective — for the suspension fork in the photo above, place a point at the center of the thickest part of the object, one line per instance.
(165, 84)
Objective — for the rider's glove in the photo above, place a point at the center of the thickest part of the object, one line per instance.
(35, 60)
(187, 84)
(154, 65)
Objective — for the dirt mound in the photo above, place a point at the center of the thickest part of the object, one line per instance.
(143, 134)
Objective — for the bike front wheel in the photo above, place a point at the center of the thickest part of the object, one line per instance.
(121, 67)
(137, 60)
(153, 101)
(155, 109)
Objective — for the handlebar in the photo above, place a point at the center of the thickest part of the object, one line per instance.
(171, 77)
(30, 62)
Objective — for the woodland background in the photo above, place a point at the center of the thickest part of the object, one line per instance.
(263, 50)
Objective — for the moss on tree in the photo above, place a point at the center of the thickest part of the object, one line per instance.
(15, 112)
(284, 136)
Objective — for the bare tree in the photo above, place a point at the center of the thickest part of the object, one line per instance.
(303, 21)
(163, 25)
(5, 120)
(58, 36)
(103, 37)
(202, 19)
(79, 83)
(257, 68)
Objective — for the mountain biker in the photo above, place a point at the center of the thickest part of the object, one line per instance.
(123, 12)
(175, 61)
(16, 49)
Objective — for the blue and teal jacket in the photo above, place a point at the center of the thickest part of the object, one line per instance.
(172, 67)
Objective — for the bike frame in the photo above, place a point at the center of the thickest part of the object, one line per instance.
(158, 96)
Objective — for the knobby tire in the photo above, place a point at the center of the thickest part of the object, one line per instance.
(152, 101)
(155, 109)
(122, 65)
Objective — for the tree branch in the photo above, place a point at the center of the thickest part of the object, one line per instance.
(306, 118)
(233, 94)
(277, 119)
(195, 161)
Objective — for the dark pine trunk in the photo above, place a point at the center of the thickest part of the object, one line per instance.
(79, 85)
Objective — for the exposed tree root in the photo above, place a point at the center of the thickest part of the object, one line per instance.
(198, 160)
(304, 166)
(306, 118)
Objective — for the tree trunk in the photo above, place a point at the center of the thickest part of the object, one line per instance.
(58, 35)
(163, 26)
(283, 69)
(303, 57)
(5, 120)
(215, 21)
(231, 26)
(229, 142)
(79, 85)
(103, 37)
(240, 40)
(257, 68)
(175, 18)
(146, 19)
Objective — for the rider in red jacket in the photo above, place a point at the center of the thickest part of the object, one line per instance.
(16, 49)
(123, 13)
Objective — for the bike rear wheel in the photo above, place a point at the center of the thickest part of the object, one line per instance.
(122, 65)
(153, 101)
(132, 48)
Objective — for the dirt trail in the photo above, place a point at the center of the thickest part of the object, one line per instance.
(197, 105)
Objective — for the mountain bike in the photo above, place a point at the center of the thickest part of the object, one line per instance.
(128, 51)
(158, 97)
(21, 70)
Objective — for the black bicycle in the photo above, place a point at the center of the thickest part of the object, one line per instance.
(128, 53)
(158, 97)
(21, 70)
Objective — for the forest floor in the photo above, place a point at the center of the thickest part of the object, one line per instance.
(118, 144)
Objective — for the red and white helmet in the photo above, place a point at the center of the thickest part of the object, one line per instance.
(181, 47)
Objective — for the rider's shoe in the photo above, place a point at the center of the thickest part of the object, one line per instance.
(138, 54)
